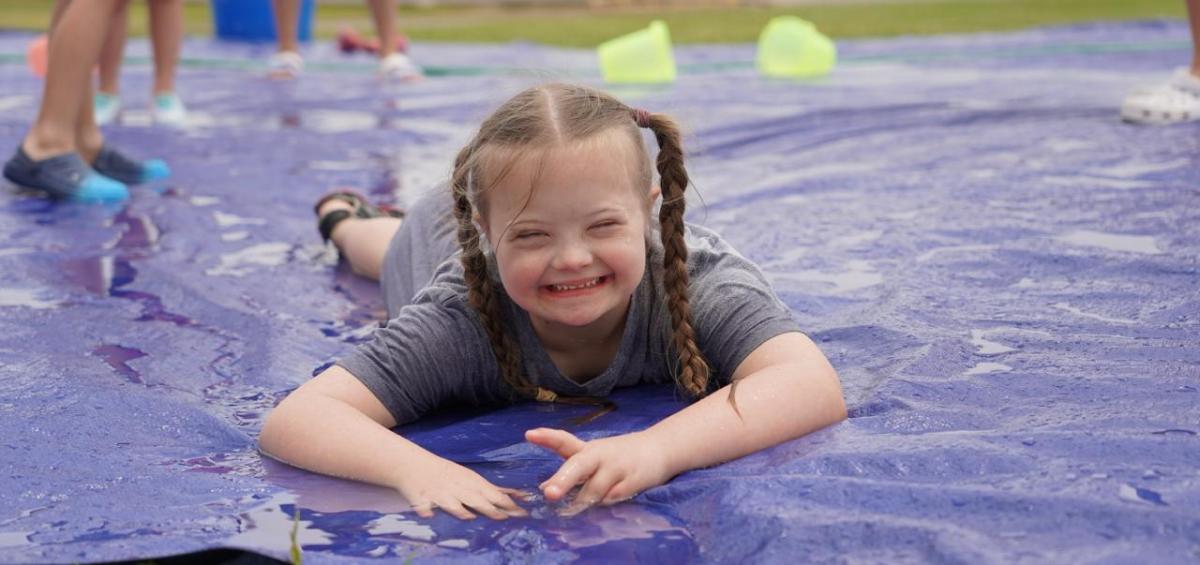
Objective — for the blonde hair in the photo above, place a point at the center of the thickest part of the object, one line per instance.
(551, 115)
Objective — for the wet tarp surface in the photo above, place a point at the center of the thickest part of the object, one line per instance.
(1004, 274)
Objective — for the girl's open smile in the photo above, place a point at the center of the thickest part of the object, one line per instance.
(580, 287)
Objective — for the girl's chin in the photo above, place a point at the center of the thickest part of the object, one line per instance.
(573, 319)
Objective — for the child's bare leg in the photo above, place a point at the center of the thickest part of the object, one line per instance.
(363, 242)
(114, 50)
(1193, 7)
(384, 14)
(287, 24)
(68, 82)
(60, 7)
(166, 36)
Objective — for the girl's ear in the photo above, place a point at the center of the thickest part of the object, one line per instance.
(655, 193)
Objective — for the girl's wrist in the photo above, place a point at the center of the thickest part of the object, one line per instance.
(659, 446)
(419, 462)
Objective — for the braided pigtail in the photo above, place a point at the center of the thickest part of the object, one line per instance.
(694, 373)
(479, 286)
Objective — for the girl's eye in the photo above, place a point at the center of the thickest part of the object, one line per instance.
(605, 224)
(528, 234)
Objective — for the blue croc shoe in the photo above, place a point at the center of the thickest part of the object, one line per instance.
(114, 164)
(64, 176)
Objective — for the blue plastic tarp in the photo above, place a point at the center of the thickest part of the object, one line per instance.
(1005, 275)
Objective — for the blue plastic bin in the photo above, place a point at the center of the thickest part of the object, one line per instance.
(254, 20)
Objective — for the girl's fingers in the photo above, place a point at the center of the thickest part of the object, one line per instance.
(593, 492)
(619, 492)
(455, 508)
(423, 508)
(478, 503)
(504, 503)
(558, 441)
(573, 471)
(518, 494)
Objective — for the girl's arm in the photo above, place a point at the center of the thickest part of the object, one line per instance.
(334, 425)
(786, 389)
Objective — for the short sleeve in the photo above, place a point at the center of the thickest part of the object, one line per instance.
(432, 354)
(734, 308)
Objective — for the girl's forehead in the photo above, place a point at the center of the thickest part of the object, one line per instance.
(605, 161)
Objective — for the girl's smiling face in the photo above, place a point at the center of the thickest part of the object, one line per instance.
(569, 230)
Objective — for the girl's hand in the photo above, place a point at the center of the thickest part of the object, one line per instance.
(611, 470)
(439, 483)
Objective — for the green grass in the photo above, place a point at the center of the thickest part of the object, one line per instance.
(583, 27)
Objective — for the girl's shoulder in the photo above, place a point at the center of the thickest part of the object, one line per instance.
(446, 288)
(700, 238)
(708, 251)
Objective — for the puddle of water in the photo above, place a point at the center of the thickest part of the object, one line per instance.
(99, 275)
(618, 522)
(326, 504)
(25, 297)
(393, 524)
(92, 273)
(140, 232)
(152, 308)
(270, 526)
(987, 347)
(238, 263)
(117, 357)
(1113, 242)
(245, 463)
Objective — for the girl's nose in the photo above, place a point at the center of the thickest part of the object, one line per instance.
(572, 256)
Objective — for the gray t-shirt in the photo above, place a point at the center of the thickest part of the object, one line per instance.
(434, 351)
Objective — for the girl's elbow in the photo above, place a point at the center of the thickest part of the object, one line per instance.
(837, 408)
(834, 401)
(274, 429)
(267, 436)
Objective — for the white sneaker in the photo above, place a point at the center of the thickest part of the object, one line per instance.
(1174, 102)
(106, 107)
(398, 66)
(285, 64)
(168, 109)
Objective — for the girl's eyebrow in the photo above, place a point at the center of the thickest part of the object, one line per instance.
(527, 222)
(606, 210)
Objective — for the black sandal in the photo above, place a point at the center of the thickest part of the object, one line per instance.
(361, 209)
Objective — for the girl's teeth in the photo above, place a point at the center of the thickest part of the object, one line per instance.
(562, 287)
